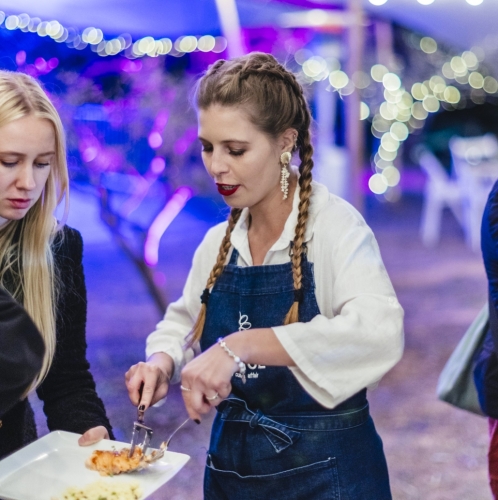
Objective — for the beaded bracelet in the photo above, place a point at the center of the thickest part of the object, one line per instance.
(240, 363)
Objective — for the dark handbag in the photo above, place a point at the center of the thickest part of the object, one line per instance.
(486, 368)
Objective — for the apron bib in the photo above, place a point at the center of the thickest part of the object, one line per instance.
(270, 438)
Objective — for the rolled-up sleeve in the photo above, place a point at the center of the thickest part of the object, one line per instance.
(358, 337)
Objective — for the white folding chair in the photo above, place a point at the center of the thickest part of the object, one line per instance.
(440, 191)
(475, 165)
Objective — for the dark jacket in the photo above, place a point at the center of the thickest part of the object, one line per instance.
(489, 244)
(68, 392)
(21, 351)
(486, 362)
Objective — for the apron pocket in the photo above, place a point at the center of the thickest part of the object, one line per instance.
(317, 481)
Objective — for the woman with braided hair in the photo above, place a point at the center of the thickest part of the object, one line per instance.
(296, 317)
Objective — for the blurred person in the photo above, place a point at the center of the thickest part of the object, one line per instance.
(21, 351)
(41, 265)
(296, 317)
(486, 372)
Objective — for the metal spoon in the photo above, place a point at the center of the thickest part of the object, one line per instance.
(165, 444)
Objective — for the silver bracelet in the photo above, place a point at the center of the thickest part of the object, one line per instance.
(240, 363)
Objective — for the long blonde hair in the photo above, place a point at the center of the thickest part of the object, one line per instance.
(275, 102)
(26, 258)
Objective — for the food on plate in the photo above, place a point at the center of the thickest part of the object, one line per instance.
(101, 490)
(111, 462)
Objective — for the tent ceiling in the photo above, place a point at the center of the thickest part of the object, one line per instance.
(453, 21)
(146, 17)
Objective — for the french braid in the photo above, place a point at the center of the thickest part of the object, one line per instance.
(275, 102)
(196, 333)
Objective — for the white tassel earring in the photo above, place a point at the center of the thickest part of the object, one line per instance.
(285, 159)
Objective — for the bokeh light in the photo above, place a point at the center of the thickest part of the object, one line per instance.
(428, 45)
(378, 71)
(377, 184)
(338, 79)
(391, 81)
(364, 111)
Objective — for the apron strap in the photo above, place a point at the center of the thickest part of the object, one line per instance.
(280, 436)
(234, 257)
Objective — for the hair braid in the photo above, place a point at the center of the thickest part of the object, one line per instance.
(215, 67)
(305, 153)
(196, 332)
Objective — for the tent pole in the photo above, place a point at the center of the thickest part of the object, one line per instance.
(354, 127)
(230, 27)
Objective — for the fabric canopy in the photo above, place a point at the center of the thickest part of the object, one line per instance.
(453, 21)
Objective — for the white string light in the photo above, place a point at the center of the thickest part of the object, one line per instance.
(403, 111)
(94, 37)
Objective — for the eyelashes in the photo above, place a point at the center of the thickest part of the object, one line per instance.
(13, 164)
(232, 152)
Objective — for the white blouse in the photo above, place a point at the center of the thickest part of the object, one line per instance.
(357, 338)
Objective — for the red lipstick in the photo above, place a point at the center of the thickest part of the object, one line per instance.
(19, 202)
(227, 189)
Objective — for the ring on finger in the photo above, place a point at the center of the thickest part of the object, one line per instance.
(186, 389)
(212, 398)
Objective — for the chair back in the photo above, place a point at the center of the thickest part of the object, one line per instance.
(432, 167)
(473, 150)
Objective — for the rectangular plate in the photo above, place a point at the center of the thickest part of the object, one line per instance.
(47, 467)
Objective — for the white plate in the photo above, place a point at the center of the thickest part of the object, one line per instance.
(47, 467)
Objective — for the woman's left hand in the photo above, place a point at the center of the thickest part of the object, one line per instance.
(93, 435)
(206, 380)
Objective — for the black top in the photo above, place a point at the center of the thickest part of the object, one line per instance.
(68, 392)
(21, 351)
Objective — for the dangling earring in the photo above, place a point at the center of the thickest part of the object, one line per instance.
(285, 159)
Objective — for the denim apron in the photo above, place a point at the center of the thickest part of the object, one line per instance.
(270, 439)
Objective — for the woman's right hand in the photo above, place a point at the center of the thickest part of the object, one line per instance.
(155, 376)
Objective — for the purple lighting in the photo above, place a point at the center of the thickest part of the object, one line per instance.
(20, 57)
(172, 208)
(157, 165)
(41, 64)
(155, 140)
(161, 119)
(89, 154)
(130, 66)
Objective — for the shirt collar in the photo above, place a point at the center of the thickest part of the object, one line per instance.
(319, 197)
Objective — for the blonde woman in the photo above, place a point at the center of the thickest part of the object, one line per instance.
(41, 265)
(288, 303)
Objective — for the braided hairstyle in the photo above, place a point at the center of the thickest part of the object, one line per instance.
(275, 102)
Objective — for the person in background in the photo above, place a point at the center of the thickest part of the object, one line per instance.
(21, 351)
(288, 303)
(41, 265)
(487, 382)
